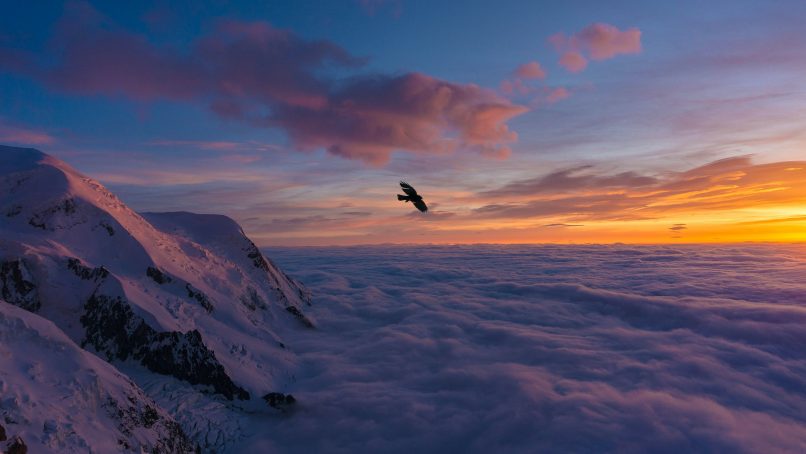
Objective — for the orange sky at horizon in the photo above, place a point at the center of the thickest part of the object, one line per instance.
(729, 200)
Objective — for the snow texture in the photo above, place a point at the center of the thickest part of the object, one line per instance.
(180, 299)
(549, 349)
(59, 398)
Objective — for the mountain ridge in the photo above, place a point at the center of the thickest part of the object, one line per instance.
(182, 295)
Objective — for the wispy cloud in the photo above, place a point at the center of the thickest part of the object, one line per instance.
(20, 135)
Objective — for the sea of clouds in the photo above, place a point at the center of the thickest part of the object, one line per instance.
(548, 349)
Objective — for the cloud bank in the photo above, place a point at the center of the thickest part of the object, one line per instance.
(549, 349)
(268, 77)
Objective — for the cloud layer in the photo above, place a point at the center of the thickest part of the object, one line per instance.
(269, 77)
(549, 348)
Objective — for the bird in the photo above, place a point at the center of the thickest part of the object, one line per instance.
(412, 196)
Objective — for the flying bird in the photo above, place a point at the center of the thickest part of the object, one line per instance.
(412, 196)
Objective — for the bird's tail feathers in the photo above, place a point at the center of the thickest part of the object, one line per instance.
(403, 197)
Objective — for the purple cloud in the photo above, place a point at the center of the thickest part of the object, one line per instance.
(269, 77)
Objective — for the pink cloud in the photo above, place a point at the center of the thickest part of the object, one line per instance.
(23, 136)
(372, 117)
(557, 94)
(268, 77)
(598, 41)
(604, 41)
(531, 70)
(573, 61)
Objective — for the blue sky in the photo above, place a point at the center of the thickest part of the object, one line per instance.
(692, 83)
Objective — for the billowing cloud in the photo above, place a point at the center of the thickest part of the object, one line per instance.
(531, 70)
(269, 77)
(597, 41)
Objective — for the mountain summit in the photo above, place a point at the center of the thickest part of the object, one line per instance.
(184, 304)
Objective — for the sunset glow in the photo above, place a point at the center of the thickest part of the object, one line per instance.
(556, 124)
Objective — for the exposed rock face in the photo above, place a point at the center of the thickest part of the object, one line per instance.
(113, 329)
(279, 401)
(158, 276)
(300, 316)
(257, 258)
(86, 273)
(200, 297)
(252, 300)
(187, 296)
(17, 286)
(135, 415)
(16, 446)
(64, 399)
(57, 216)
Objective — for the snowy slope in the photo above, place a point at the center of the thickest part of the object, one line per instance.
(181, 296)
(59, 398)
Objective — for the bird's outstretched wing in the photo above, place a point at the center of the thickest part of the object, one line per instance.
(420, 205)
(408, 189)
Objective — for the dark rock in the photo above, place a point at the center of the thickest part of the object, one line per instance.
(129, 417)
(158, 276)
(85, 272)
(13, 211)
(108, 227)
(112, 328)
(279, 400)
(16, 446)
(16, 286)
(254, 254)
(3, 433)
(300, 316)
(252, 300)
(199, 296)
(42, 220)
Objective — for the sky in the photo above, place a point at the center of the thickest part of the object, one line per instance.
(519, 121)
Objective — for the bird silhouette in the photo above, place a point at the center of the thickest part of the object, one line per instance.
(412, 196)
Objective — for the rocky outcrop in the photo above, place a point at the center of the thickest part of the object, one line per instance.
(135, 415)
(113, 329)
(300, 316)
(200, 297)
(57, 216)
(256, 256)
(279, 401)
(17, 286)
(157, 275)
(252, 300)
(16, 446)
(86, 273)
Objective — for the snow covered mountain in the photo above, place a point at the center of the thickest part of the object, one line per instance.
(184, 304)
